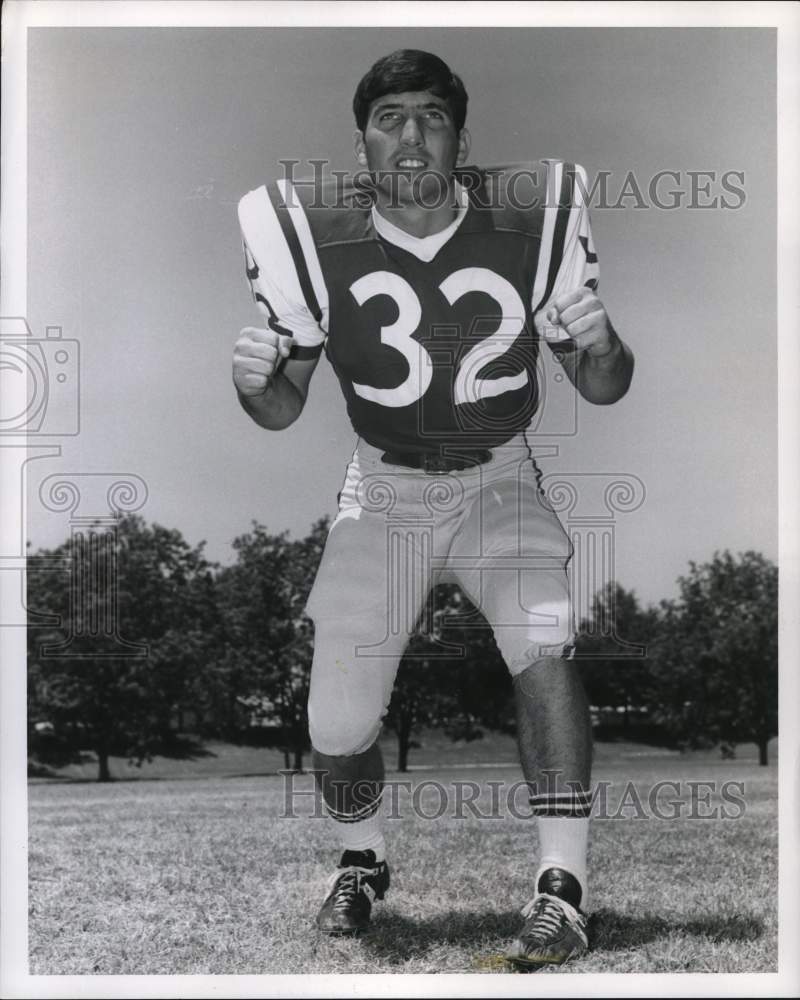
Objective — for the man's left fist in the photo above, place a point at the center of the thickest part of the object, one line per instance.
(582, 317)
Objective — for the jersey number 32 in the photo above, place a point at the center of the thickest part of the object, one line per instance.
(468, 387)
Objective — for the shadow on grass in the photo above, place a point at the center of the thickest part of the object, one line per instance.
(184, 748)
(258, 774)
(37, 770)
(49, 769)
(610, 931)
(397, 938)
(178, 748)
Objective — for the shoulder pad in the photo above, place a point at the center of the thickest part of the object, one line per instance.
(515, 195)
(337, 208)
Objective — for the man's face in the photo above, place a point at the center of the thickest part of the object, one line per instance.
(411, 140)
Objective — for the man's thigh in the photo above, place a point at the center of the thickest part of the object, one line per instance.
(511, 559)
(375, 569)
(371, 585)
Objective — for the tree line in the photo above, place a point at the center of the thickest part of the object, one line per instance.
(138, 645)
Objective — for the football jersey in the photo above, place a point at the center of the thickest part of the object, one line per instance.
(432, 339)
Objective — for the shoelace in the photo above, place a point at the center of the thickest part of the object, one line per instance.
(346, 884)
(550, 913)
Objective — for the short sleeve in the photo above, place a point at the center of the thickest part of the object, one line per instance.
(568, 260)
(579, 266)
(271, 271)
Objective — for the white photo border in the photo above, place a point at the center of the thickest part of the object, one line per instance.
(18, 17)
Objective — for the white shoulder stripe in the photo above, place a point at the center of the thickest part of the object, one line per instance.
(307, 245)
(578, 207)
(553, 190)
(263, 234)
(277, 280)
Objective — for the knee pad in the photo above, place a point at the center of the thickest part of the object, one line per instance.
(341, 737)
(548, 632)
(350, 691)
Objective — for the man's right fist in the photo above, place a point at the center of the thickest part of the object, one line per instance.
(256, 357)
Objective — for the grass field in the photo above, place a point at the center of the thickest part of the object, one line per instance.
(176, 876)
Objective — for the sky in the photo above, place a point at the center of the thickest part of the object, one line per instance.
(141, 141)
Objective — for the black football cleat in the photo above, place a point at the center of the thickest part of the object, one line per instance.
(555, 929)
(354, 886)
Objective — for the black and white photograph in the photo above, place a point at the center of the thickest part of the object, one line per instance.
(399, 499)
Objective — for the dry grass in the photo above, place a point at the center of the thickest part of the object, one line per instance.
(175, 876)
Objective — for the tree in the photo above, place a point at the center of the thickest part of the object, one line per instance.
(716, 659)
(451, 675)
(612, 649)
(420, 696)
(132, 616)
(268, 637)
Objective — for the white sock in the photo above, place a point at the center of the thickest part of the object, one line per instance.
(361, 834)
(563, 842)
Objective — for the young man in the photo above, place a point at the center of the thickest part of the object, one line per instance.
(431, 286)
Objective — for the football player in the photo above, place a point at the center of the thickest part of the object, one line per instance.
(431, 286)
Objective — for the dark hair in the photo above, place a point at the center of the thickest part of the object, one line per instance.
(410, 70)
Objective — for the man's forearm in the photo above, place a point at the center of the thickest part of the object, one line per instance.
(605, 379)
(277, 407)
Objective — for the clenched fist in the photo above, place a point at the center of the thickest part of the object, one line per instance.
(582, 317)
(256, 357)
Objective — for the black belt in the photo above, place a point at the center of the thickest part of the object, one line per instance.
(437, 464)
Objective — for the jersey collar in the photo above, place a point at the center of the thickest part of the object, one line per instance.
(423, 247)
